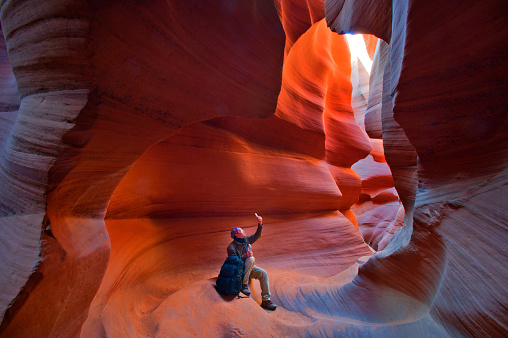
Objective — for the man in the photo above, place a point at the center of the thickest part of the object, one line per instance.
(241, 247)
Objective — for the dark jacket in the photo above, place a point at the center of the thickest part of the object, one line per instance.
(239, 249)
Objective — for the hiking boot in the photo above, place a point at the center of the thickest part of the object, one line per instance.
(267, 304)
(245, 290)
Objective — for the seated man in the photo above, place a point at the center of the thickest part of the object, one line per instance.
(241, 247)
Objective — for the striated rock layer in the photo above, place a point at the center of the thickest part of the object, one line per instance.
(134, 136)
(100, 82)
(438, 77)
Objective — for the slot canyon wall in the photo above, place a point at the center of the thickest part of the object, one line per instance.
(134, 136)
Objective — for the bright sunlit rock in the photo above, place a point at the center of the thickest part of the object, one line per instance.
(359, 50)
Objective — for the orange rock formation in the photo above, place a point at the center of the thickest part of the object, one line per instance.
(134, 136)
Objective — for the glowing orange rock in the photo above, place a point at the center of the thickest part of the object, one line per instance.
(143, 132)
(99, 84)
(297, 16)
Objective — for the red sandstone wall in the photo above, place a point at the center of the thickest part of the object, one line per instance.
(143, 133)
(95, 88)
(425, 92)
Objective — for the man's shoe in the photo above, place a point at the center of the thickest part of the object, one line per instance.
(245, 290)
(267, 304)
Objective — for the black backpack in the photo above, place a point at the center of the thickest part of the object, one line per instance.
(229, 282)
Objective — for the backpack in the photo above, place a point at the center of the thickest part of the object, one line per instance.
(229, 282)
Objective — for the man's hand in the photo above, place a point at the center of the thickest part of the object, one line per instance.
(260, 219)
(249, 253)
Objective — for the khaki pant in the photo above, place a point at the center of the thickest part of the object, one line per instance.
(252, 271)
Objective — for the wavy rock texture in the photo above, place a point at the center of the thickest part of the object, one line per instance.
(426, 97)
(235, 177)
(363, 16)
(376, 206)
(372, 119)
(235, 159)
(149, 289)
(96, 80)
(20, 240)
(297, 16)
(458, 163)
(134, 136)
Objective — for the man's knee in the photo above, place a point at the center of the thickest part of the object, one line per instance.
(264, 273)
(259, 273)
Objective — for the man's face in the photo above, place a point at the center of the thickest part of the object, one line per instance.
(240, 233)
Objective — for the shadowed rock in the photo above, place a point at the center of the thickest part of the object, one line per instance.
(134, 136)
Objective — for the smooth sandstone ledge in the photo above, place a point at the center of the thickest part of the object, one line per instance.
(154, 263)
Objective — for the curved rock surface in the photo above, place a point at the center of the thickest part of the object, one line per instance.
(134, 136)
(96, 82)
(431, 154)
(235, 177)
(363, 16)
(297, 16)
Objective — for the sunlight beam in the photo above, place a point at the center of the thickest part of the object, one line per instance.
(359, 50)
